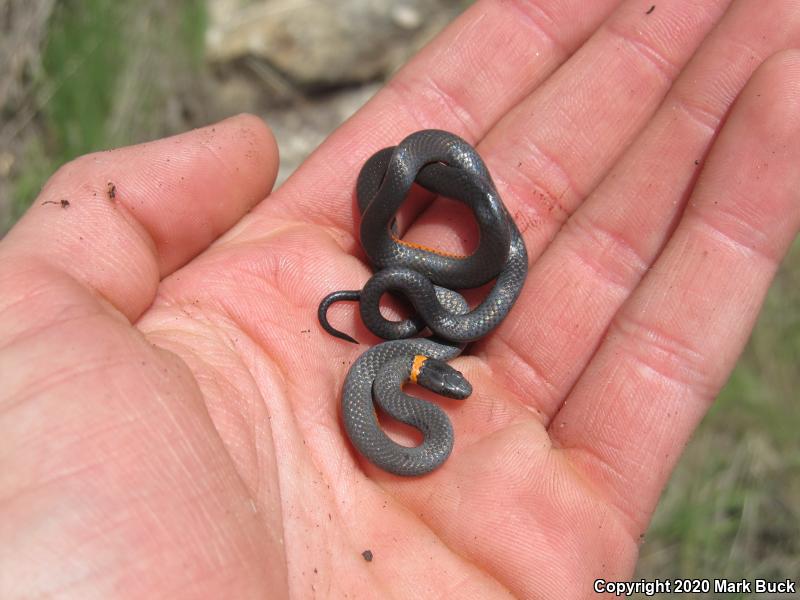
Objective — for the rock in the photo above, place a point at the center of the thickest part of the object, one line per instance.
(321, 44)
(306, 65)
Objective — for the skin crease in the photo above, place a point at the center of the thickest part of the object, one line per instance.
(168, 408)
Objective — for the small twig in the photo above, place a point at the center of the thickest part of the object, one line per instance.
(63, 202)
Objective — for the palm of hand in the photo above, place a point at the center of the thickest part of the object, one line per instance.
(273, 394)
(198, 452)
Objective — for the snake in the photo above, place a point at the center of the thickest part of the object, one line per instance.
(430, 279)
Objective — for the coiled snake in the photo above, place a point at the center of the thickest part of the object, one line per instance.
(446, 165)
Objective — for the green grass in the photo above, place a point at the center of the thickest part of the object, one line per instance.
(85, 56)
(105, 77)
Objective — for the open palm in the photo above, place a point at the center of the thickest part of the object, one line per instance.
(169, 408)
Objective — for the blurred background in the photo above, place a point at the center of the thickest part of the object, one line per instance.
(83, 75)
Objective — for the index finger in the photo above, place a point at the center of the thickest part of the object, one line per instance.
(483, 64)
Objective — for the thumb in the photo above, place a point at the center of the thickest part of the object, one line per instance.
(112, 475)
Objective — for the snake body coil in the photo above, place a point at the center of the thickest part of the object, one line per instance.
(446, 165)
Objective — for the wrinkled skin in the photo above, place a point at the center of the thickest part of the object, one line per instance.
(168, 403)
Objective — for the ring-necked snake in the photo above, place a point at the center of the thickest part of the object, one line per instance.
(446, 165)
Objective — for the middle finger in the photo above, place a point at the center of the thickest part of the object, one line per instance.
(549, 152)
(606, 247)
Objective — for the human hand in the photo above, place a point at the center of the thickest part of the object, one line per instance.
(169, 406)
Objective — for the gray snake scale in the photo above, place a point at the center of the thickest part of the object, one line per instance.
(448, 166)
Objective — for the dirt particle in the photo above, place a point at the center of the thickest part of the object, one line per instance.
(63, 202)
(367, 554)
(111, 190)
(650, 10)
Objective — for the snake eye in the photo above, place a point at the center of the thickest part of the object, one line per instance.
(441, 378)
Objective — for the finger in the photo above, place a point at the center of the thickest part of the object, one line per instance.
(552, 149)
(673, 344)
(595, 142)
(601, 254)
(460, 82)
(464, 81)
(120, 220)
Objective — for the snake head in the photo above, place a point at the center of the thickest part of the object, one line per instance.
(441, 378)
